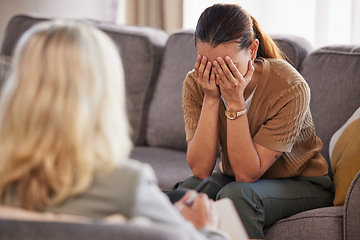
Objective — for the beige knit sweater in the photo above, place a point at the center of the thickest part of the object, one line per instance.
(279, 119)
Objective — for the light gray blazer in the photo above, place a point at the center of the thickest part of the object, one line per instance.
(132, 190)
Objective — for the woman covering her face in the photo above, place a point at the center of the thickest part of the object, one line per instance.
(243, 95)
(64, 135)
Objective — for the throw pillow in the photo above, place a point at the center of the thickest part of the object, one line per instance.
(5, 63)
(345, 156)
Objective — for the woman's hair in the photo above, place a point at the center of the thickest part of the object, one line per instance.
(62, 114)
(224, 23)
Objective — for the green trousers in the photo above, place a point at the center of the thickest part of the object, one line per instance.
(262, 203)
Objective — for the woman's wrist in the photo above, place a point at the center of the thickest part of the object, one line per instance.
(211, 100)
(236, 105)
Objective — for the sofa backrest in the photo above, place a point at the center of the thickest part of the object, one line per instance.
(295, 48)
(14, 29)
(333, 74)
(141, 49)
(166, 126)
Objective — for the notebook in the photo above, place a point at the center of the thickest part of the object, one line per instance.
(230, 221)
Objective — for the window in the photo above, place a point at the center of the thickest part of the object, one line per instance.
(321, 22)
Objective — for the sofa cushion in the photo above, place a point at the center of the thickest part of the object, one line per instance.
(344, 153)
(312, 224)
(295, 48)
(333, 76)
(170, 166)
(166, 127)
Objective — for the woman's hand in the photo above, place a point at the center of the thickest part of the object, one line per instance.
(201, 211)
(232, 84)
(206, 77)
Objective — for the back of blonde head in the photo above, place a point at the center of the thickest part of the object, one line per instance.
(62, 114)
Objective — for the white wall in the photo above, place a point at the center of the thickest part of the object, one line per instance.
(91, 9)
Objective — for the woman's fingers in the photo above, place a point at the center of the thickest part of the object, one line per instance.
(223, 69)
(207, 71)
(202, 66)
(188, 197)
(250, 72)
(197, 65)
(212, 76)
(219, 73)
(234, 71)
(201, 213)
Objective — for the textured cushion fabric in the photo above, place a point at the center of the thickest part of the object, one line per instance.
(26, 230)
(322, 223)
(345, 156)
(5, 63)
(333, 76)
(295, 48)
(170, 166)
(141, 49)
(166, 126)
(352, 211)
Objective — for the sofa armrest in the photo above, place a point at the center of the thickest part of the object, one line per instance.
(36, 230)
(352, 210)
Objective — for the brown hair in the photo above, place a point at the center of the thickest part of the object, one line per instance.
(223, 23)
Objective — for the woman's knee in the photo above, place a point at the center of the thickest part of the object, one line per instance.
(189, 183)
(243, 195)
(248, 205)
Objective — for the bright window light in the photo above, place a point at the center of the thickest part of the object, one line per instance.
(321, 22)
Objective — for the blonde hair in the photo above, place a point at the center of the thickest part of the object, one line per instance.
(62, 114)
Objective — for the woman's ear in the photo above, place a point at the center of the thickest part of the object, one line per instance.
(254, 48)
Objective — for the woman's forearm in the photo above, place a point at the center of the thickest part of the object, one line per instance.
(242, 152)
(248, 160)
(203, 148)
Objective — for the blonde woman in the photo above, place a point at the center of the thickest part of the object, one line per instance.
(64, 138)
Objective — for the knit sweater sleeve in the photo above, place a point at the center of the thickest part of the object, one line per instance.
(192, 104)
(287, 113)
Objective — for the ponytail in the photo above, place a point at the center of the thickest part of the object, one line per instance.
(267, 46)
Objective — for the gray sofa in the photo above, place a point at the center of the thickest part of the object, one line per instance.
(155, 65)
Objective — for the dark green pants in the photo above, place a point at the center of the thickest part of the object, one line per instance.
(262, 203)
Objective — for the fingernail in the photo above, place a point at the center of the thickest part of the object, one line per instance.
(178, 206)
(227, 58)
(219, 59)
(191, 198)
